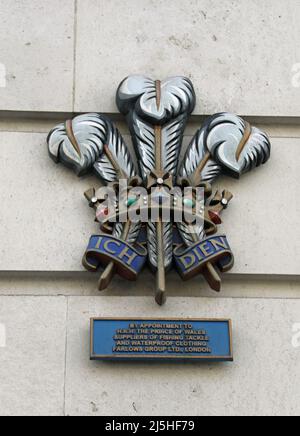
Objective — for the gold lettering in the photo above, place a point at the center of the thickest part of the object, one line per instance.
(107, 244)
(199, 255)
(218, 244)
(205, 248)
(188, 261)
(130, 257)
(98, 243)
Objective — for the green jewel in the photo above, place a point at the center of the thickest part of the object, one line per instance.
(131, 201)
(189, 203)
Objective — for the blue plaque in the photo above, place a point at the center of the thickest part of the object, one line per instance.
(152, 339)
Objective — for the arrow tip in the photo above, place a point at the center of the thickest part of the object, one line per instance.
(106, 277)
(212, 277)
(161, 296)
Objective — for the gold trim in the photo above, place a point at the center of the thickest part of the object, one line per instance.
(116, 262)
(229, 358)
(71, 136)
(158, 149)
(158, 93)
(244, 140)
(197, 175)
(113, 162)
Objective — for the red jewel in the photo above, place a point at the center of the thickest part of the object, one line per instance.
(102, 214)
(215, 217)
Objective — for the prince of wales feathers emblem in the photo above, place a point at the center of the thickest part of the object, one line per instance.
(157, 113)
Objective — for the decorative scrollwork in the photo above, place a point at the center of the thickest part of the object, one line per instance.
(157, 113)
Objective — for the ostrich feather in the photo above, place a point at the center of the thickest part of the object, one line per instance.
(138, 100)
(225, 144)
(167, 242)
(191, 233)
(91, 143)
(157, 113)
(144, 138)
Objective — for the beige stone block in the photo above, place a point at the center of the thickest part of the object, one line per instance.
(241, 55)
(37, 52)
(32, 360)
(45, 220)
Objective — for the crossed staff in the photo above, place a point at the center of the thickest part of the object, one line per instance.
(212, 218)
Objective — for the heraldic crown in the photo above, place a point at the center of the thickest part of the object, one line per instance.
(157, 113)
